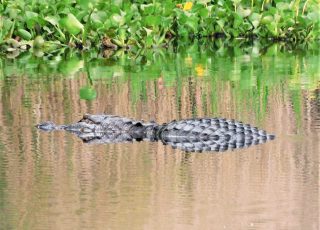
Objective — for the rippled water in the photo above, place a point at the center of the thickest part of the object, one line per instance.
(54, 181)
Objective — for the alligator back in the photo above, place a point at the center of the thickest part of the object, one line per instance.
(211, 134)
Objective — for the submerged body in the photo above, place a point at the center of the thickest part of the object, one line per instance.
(199, 134)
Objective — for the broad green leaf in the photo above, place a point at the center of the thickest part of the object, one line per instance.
(118, 19)
(114, 9)
(204, 12)
(221, 12)
(255, 19)
(192, 22)
(71, 24)
(238, 20)
(283, 6)
(13, 12)
(182, 32)
(31, 19)
(289, 22)
(272, 27)
(267, 20)
(168, 9)
(182, 18)
(152, 20)
(38, 42)
(7, 24)
(221, 23)
(147, 9)
(255, 23)
(52, 19)
(31, 15)
(24, 34)
(255, 16)
(243, 12)
(97, 18)
(86, 4)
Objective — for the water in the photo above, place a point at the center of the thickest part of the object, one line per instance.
(54, 181)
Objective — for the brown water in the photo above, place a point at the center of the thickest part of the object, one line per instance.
(54, 181)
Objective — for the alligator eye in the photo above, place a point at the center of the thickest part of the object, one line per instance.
(139, 124)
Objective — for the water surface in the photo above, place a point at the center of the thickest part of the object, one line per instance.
(54, 181)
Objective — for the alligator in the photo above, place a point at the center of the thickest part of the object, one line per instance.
(190, 135)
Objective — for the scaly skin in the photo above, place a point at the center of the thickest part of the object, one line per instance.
(211, 134)
(200, 134)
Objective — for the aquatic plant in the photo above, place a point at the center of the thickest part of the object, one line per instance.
(150, 23)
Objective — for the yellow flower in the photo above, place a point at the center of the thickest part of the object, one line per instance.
(187, 6)
(199, 70)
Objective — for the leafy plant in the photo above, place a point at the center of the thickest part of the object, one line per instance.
(144, 24)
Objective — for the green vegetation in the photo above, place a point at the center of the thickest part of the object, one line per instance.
(49, 25)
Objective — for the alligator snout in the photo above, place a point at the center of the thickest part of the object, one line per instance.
(47, 126)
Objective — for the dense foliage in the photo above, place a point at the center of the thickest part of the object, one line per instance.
(83, 23)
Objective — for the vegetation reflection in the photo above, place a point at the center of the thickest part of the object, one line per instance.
(253, 71)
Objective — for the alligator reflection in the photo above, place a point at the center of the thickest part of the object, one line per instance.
(190, 135)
